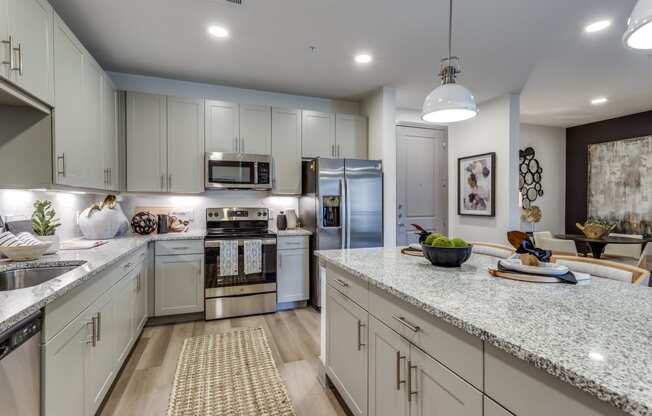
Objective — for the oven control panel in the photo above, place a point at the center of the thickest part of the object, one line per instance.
(237, 214)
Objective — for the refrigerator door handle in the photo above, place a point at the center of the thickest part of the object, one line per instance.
(347, 213)
(343, 214)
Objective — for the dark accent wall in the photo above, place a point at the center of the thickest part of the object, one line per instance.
(577, 141)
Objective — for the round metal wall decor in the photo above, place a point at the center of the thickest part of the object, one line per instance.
(531, 174)
(144, 223)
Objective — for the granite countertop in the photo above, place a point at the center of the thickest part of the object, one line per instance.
(296, 231)
(16, 305)
(596, 336)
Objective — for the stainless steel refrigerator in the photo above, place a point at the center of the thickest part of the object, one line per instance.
(342, 204)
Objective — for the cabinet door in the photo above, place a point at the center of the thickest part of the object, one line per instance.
(318, 134)
(351, 136)
(92, 117)
(222, 126)
(110, 134)
(346, 350)
(5, 71)
(125, 291)
(64, 383)
(492, 408)
(255, 129)
(140, 300)
(286, 151)
(100, 359)
(388, 356)
(30, 25)
(437, 391)
(179, 284)
(146, 143)
(292, 275)
(185, 145)
(71, 145)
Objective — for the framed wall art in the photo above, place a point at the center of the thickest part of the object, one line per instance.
(476, 183)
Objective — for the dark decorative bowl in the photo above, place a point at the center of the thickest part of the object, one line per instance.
(447, 256)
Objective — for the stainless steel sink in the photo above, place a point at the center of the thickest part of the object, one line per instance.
(32, 276)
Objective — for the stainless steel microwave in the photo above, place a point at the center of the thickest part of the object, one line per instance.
(238, 171)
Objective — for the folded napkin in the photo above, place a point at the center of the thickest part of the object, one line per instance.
(8, 239)
(569, 277)
(28, 240)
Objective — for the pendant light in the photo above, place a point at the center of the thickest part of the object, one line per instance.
(639, 27)
(450, 102)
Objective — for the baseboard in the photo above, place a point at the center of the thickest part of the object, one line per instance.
(175, 319)
(285, 306)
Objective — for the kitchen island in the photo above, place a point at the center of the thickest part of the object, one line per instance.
(405, 337)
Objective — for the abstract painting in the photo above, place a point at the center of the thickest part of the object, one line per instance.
(476, 181)
(620, 184)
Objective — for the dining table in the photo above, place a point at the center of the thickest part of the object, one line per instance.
(598, 245)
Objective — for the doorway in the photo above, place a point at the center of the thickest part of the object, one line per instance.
(422, 182)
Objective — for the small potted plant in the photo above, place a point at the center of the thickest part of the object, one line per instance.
(45, 224)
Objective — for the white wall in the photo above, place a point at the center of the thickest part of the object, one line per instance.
(495, 129)
(549, 144)
(380, 108)
(164, 86)
(19, 204)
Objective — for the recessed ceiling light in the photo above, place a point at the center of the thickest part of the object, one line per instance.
(364, 58)
(599, 100)
(218, 32)
(597, 26)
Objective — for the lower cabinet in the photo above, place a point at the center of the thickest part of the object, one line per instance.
(347, 350)
(125, 308)
(179, 284)
(293, 269)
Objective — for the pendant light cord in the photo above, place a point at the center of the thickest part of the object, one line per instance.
(450, 31)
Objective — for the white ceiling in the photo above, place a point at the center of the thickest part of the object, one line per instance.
(534, 46)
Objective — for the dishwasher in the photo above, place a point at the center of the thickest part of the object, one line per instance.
(20, 368)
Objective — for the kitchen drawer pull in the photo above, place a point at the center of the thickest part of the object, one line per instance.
(62, 159)
(342, 283)
(406, 324)
(399, 357)
(409, 381)
(360, 343)
(181, 248)
(93, 324)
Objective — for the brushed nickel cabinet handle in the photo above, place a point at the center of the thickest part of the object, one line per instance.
(399, 357)
(360, 343)
(19, 68)
(10, 62)
(170, 182)
(342, 283)
(409, 381)
(405, 323)
(61, 161)
(93, 324)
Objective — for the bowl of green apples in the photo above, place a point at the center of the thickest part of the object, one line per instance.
(444, 252)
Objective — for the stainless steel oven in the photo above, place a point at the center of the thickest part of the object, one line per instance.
(238, 171)
(241, 293)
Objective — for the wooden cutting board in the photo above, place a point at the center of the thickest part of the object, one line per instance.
(524, 277)
(412, 252)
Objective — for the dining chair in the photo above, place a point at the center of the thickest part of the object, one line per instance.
(558, 246)
(626, 251)
(605, 269)
(539, 235)
(493, 249)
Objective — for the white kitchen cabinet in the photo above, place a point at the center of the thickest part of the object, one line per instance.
(93, 105)
(255, 129)
(222, 126)
(140, 297)
(318, 134)
(70, 143)
(185, 144)
(100, 358)
(286, 151)
(110, 135)
(28, 23)
(292, 275)
(146, 142)
(125, 312)
(179, 284)
(437, 391)
(351, 136)
(347, 350)
(388, 357)
(63, 370)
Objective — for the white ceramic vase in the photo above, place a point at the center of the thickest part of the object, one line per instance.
(54, 239)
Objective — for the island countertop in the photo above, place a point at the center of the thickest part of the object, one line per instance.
(16, 305)
(595, 336)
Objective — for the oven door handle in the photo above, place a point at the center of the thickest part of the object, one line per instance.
(216, 243)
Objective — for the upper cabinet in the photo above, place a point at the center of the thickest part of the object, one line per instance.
(318, 134)
(26, 54)
(351, 136)
(165, 143)
(110, 135)
(286, 151)
(238, 128)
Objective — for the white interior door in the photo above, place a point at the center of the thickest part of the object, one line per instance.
(422, 181)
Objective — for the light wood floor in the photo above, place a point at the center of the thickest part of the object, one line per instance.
(144, 385)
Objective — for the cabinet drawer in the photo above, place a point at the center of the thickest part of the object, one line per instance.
(292, 242)
(460, 352)
(525, 390)
(355, 289)
(175, 247)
